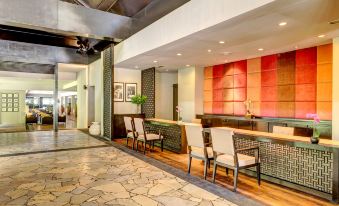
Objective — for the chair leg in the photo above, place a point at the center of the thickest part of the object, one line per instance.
(153, 145)
(144, 147)
(162, 145)
(205, 168)
(127, 141)
(258, 173)
(133, 143)
(214, 171)
(226, 171)
(137, 145)
(189, 164)
(235, 179)
(209, 163)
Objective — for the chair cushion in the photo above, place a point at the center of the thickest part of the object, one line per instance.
(198, 151)
(130, 135)
(242, 159)
(150, 136)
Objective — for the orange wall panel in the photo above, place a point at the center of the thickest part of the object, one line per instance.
(208, 84)
(324, 73)
(254, 65)
(324, 110)
(208, 107)
(324, 92)
(254, 93)
(324, 53)
(228, 108)
(208, 72)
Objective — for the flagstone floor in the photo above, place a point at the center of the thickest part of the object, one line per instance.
(93, 176)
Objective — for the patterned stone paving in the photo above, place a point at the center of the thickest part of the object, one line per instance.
(95, 176)
(23, 142)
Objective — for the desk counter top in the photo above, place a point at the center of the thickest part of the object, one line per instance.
(282, 137)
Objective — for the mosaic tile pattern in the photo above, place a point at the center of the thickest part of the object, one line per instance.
(108, 78)
(148, 89)
(23, 142)
(94, 177)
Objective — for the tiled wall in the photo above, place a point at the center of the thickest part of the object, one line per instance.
(287, 85)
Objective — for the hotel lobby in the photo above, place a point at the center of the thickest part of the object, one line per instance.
(181, 102)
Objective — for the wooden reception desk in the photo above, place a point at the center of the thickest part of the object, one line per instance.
(174, 134)
(294, 162)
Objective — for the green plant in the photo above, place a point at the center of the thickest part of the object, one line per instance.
(139, 99)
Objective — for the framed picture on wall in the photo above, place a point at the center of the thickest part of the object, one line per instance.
(118, 91)
(3, 100)
(130, 91)
(9, 95)
(15, 100)
(15, 109)
(15, 104)
(9, 109)
(4, 109)
(4, 95)
(10, 105)
(3, 104)
(10, 100)
(16, 95)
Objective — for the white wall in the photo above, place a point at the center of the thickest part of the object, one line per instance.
(199, 90)
(96, 80)
(14, 117)
(164, 94)
(186, 93)
(82, 79)
(127, 76)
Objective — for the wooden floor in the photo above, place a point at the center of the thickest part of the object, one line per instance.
(267, 193)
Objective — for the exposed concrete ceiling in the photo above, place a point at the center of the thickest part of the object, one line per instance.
(245, 34)
(71, 67)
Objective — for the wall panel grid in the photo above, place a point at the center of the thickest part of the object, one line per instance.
(288, 85)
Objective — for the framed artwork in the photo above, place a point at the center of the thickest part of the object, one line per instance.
(9, 95)
(16, 95)
(15, 100)
(130, 91)
(15, 109)
(15, 104)
(3, 104)
(9, 109)
(10, 100)
(118, 91)
(10, 105)
(4, 95)
(3, 100)
(4, 109)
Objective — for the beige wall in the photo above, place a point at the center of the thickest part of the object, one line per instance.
(164, 94)
(127, 76)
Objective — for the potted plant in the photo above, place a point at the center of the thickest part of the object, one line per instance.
(139, 100)
(316, 133)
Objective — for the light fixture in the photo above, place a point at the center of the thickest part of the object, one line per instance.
(282, 23)
(260, 49)
(221, 42)
(187, 65)
(179, 54)
(209, 51)
(166, 70)
(321, 36)
(155, 61)
(136, 67)
(226, 61)
(296, 47)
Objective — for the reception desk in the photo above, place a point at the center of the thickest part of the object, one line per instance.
(174, 133)
(294, 162)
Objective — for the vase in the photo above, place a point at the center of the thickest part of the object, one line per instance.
(314, 140)
(94, 129)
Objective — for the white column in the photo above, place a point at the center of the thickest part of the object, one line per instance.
(335, 90)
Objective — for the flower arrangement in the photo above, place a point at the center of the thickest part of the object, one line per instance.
(178, 109)
(139, 100)
(316, 121)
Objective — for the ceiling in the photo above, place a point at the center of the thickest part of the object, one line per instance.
(245, 34)
(71, 67)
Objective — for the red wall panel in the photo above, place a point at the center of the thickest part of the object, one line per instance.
(269, 62)
(306, 56)
(218, 107)
(268, 109)
(240, 67)
(218, 95)
(218, 71)
(269, 94)
(240, 80)
(306, 74)
(269, 78)
(218, 83)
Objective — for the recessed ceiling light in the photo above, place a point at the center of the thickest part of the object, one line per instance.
(136, 67)
(321, 36)
(155, 61)
(260, 49)
(188, 65)
(179, 54)
(282, 23)
(226, 61)
(221, 42)
(296, 47)
(209, 51)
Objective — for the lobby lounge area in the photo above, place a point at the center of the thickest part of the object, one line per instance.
(169, 103)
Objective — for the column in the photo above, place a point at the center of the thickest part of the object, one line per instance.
(335, 90)
(55, 97)
(108, 80)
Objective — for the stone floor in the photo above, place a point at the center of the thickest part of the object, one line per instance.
(24, 142)
(90, 176)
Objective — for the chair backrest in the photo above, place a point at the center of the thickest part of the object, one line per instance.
(196, 121)
(139, 126)
(194, 135)
(283, 130)
(222, 140)
(128, 123)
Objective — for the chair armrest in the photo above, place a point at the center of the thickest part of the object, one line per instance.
(247, 149)
(208, 144)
